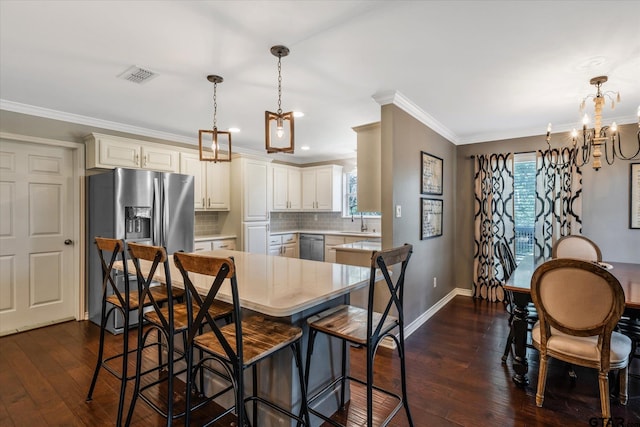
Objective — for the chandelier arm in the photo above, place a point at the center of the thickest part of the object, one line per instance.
(620, 154)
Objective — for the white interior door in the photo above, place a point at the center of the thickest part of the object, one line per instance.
(37, 285)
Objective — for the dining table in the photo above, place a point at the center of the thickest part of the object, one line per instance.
(287, 290)
(519, 284)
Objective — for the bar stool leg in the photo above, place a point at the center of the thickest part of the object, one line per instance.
(96, 371)
(403, 373)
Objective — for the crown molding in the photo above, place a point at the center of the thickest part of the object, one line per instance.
(47, 113)
(398, 99)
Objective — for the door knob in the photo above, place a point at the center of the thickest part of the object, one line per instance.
(68, 242)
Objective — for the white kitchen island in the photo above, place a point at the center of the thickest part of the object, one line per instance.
(290, 290)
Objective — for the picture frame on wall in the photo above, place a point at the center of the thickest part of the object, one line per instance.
(634, 196)
(431, 176)
(431, 218)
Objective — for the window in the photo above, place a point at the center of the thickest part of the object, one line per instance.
(524, 202)
(350, 201)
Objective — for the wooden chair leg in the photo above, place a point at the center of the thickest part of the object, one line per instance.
(603, 380)
(623, 374)
(542, 380)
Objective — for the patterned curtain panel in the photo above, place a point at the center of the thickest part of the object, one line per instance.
(493, 206)
(558, 199)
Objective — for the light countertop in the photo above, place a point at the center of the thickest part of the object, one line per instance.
(364, 235)
(214, 237)
(279, 286)
(361, 246)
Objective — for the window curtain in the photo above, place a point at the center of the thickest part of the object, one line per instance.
(558, 199)
(493, 210)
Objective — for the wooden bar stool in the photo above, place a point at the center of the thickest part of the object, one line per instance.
(125, 301)
(366, 328)
(236, 346)
(171, 321)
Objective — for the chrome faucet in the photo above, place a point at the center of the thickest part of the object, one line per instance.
(363, 226)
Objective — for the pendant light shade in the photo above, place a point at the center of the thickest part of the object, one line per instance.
(214, 144)
(279, 133)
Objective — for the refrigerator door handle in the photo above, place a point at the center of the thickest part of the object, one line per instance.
(157, 237)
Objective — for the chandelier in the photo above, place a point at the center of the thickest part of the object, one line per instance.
(594, 140)
(214, 144)
(279, 125)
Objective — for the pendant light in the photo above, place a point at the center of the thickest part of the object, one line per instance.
(279, 125)
(214, 144)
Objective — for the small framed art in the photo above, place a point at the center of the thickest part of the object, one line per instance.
(431, 218)
(431, 177)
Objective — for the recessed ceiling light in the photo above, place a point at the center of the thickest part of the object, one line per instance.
(305, 147)
(298, 114)
(234, 130)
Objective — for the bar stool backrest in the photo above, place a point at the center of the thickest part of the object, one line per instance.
(116, 248)
(218, 269)
(154, 256)
(382, 260)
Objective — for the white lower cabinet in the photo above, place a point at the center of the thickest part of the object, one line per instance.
(255, 237)
(208, 245)
(330, 241)
(285, 245)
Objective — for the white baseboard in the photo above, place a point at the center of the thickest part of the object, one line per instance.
(413, 326)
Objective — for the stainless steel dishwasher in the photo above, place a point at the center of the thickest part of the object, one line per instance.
(312, 247)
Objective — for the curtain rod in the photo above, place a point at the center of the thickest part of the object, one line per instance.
(473, 156)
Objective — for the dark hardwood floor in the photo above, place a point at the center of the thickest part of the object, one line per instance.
(455, 378)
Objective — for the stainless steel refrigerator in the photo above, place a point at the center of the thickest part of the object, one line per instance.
(149, 207)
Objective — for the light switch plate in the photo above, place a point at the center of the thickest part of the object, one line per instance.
(398, 211)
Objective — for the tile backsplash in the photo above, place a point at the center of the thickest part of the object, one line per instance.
(207, 223)
(283, 221)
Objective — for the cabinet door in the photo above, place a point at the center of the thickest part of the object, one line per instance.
(160, 159)
(294, 191)
(228, 244)
(290, 250)
(309, 189)
(275, 250)
(202, 246)
(280, 188)
(190, 164)
(256, 205)
(115, 153)
(256, 237)
(218, 186)
(324, 189)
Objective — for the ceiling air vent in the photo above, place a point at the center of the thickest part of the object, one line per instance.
(137, 74)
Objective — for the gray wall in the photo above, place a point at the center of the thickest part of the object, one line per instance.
(605, 204)
(403, 137)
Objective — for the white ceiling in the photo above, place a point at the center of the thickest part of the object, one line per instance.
(477, 70)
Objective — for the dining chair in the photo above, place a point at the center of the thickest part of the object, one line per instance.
(579, 304)
(367, 328)
(125, 301)
(576, 246)
(237, 346)
(508, 265)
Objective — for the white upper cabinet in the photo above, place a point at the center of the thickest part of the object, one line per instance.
(322, 188)
(211, 190)
(218, 186)
(286, 188)
(254, 188)
(105, 151)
